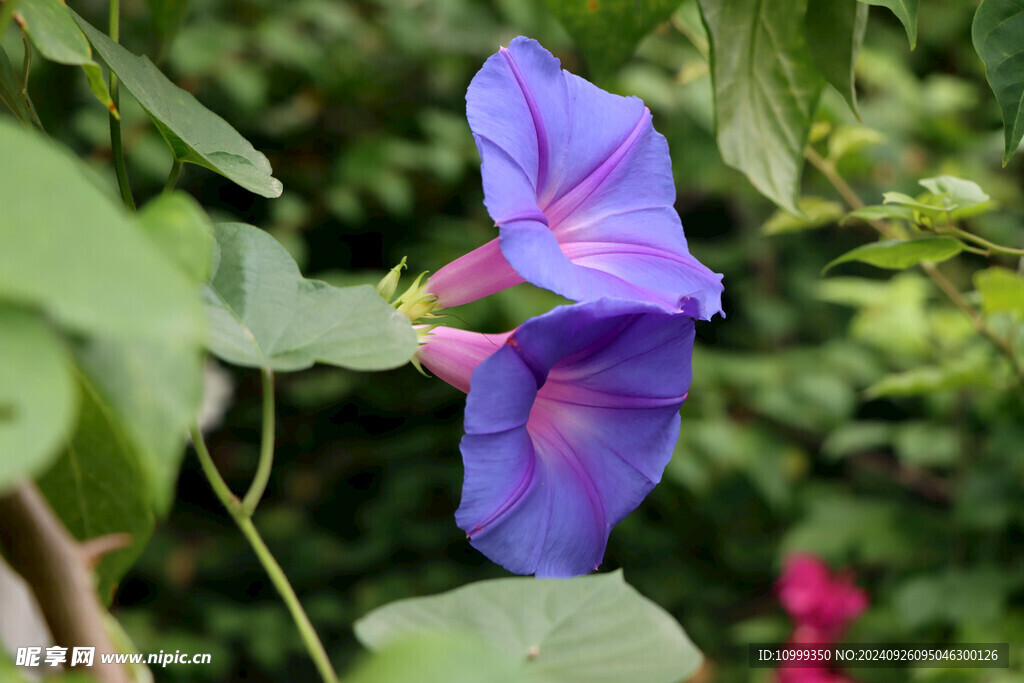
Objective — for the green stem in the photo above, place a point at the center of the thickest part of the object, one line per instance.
(259, 482)
(220, 487)
(115, 123)
(24, 83)
(270, 565)
(6, 14)
(991, 246)
(172, 177)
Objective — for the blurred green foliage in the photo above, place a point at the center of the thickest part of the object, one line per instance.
(857, 416)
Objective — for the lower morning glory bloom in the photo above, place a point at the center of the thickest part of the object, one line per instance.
(570, 421)
(580, 186)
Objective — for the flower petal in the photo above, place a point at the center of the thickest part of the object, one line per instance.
(550, 471)
(561, 154)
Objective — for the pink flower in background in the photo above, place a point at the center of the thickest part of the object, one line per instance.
(817, 601)
(822, 606)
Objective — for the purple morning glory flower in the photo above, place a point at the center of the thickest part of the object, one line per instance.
(580, 186)
(570, 421)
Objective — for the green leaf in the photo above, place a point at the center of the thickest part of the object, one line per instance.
(452, 657)
(766, 90)
(967, 373)
(595, 629)
(97, 488)
(882, 212)
(168, 15)
(816, 212)
(839, 527)
(996, 31)
(37, 395)
(1001, 290)
(856, 437)
(182, 231)
(899, 254)
(849, 139)
(263, 313)
(194, 133)
(607, 31)
(955, 193)
(905, 11)
(49, 26)
(926, 444)
(922, 205)
(152, 392)
(835, 31)
(77, 255)
(10, 91)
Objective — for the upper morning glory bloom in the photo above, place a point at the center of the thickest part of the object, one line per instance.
(580, 186)
(570, 421)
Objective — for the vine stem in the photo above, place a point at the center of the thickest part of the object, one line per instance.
(941, 281)
(116, 147)
(270, 565)
(172, 177)
(259, 482)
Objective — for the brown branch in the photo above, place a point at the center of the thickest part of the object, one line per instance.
(41, 550)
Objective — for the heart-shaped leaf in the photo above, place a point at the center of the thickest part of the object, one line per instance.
(263, 313)
(899, 254)
(49, 26)
(996, 31)
(80, 257)
(592, 629)
(37, 395)
(607, 31)
(194, 133)
(452, 657)
(766, 89)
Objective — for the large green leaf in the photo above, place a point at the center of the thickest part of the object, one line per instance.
(899, 254)
(996, 33)
(72, 251)
(607, 31)
(905, 11)
(835, 32)
(263, 313)
(194, 133)
(453, 657)
(37, 395)
(151, 392)
(49, 26)
(97, 487)
(766, 90)
(591, 629)
(182, 230)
